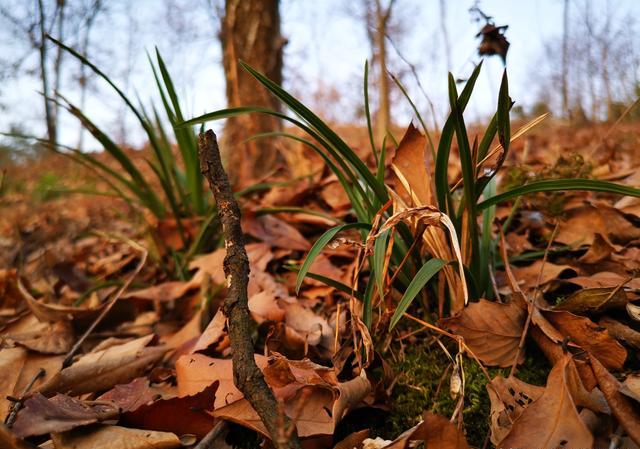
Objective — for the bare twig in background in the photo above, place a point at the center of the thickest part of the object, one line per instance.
(246, 374)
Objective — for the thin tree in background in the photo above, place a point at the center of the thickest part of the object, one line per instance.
(250, 32)
(565, 58)
(377, 24)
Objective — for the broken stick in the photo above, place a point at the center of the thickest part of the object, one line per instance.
(246, 375)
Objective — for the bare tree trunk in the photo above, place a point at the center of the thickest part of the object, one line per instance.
(383, 116)
(57, 65)
(251, 32)
(44, 76)
(565, 56)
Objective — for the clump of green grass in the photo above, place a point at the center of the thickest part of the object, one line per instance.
(471, 202)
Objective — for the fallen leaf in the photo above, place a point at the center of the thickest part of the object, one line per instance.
(552, 420)
(12, 361)
(9, 440)
(589, 336)
(275, 232)
(102, 370)
(583, 223)
(621, 406)
(55, 338)
(435, 431)
(409, 164)
(115, 437)
(491, 330)
(594, 300)
(620, 331)
(509, 398)
(544, 272)
(59, 414)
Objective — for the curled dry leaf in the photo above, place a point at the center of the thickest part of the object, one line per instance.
(435, 431)
(590, 337)
(552, 420)
(275, 232)
(620, 331)
(621, 406)
(543, 271)
(50, 312)
(594, 300)
(115, 437)
(491, 330)
(102, 370)
(509, 398)
(59, 414)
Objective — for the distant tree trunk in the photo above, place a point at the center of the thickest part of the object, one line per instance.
(44, 76)
(565, 57)
(383, 116)
(250, 32)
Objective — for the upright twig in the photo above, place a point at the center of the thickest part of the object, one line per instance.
(246, 375)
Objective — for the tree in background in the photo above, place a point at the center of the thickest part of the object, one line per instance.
(595, 62)
(251, 32)
(378, 17)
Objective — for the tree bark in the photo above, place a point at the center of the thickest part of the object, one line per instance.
(383, 116)
(251, 32)
(565, 60)
(246, 375)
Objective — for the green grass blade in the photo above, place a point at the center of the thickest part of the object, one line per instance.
(379, 252)
(444, 146)
(553, 185)
(486, 241)
(344, 288)
(424, 275)
(367, 112)
(329, 135)
(468, 171)
(367, 305)
(319, 245)
(504, 105)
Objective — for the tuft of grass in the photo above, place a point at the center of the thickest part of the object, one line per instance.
(468, 204)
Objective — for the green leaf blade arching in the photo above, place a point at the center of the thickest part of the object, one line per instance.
(421, 279)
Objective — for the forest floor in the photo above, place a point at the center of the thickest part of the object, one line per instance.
(162, 349)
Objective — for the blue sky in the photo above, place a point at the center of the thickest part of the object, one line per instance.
(327, 49)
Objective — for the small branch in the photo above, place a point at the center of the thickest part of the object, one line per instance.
(246, 375)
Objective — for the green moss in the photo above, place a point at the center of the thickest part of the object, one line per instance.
(422, 371)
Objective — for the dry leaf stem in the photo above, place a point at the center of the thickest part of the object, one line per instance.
(246, 375)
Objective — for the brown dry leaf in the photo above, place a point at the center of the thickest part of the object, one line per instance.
(213, 333)
(594, 300)
(354, 440)
(509, 398)
(59, 414)
(115, 437)
(631, 386)
(409, 164)
(435, 431)
(620, 331)
(528, 276)
(181, 415)
(9, 440)
(275, 232)
(12, 361)
(50, 312)
(491, 330)
(583, 223)
(552, 420)
(599, 250)
(55, 338)
(590, 337)
(102, 370)
(621, 406)
(311, 327)
(605, 279)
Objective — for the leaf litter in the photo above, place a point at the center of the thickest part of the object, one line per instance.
(157, 368)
